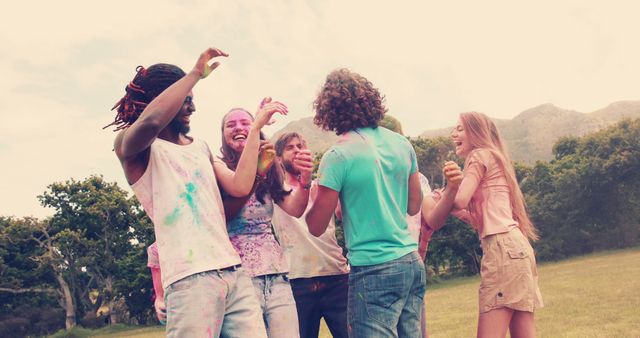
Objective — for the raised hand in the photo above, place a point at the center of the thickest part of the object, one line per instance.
(266, 110)
(202, 66)
(266, 157)
(453, 174)
(303, 162)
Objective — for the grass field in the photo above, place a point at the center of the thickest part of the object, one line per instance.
(591, 296)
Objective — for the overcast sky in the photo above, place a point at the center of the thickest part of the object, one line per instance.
(65, 63)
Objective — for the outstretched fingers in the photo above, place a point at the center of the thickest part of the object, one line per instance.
(266, 111)
(202, 65)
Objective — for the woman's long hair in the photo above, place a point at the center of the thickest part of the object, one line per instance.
(274, 182)
(482, 133)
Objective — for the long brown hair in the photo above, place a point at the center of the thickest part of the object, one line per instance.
(482, 133)
(274, 182)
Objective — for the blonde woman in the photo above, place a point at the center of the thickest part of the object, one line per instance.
(491, 201)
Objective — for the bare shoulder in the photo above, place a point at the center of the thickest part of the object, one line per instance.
(117, 144)
(135, 166)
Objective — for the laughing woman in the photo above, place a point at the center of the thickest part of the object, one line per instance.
(251, 231)
(494, 205)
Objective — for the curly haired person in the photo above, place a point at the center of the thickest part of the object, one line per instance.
(373, 172)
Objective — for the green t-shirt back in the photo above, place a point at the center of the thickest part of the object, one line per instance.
(370, 168)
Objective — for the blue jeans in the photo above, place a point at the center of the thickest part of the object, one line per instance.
(318, 297)
(278, 306)
(385, 300)
(216, 303)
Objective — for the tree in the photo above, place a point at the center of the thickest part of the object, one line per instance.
(94, 228)
(586, 198)
(29, 298)
(431, 155)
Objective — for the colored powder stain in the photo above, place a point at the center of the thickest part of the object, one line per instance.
(188, 196)
(172, 218)
(190, 257)
(209, 332)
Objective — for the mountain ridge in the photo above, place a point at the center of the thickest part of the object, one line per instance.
(529, 136)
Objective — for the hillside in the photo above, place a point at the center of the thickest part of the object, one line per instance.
(317, 139)
(530, 135)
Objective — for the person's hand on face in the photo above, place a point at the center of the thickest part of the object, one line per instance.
(303, 163)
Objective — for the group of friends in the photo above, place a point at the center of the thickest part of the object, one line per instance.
(245, 240)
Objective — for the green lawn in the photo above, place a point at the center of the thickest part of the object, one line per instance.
(592, 296)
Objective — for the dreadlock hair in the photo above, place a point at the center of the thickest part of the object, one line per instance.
(145, 86)
(273, 184)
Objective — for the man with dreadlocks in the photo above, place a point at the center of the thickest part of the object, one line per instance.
(172, 175)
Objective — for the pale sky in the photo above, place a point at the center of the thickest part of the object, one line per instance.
(65, 63)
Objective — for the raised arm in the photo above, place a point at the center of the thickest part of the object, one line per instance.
(473, 173)
(238, 183)
(435, 212)
(163, 108)
(296, 203)
(322, 210)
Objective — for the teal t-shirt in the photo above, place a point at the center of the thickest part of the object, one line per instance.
(370, 168)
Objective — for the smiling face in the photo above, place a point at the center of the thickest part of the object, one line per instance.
(235, 129)
(461, 140)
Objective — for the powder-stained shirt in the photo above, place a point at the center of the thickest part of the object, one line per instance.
(370, 168)
(490, 205)
(309, 256)
(179, 192)
(253, 237)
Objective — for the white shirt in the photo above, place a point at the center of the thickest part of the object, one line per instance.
(180, 194)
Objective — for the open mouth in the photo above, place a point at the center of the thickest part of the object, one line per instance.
(457, 143)
(239, 137)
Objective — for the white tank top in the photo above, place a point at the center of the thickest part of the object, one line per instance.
(180, 194)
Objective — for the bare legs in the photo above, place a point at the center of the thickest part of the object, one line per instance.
(495, 323)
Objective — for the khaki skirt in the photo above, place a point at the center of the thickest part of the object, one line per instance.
(509, 274)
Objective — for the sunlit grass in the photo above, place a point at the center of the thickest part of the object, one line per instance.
(591, 296)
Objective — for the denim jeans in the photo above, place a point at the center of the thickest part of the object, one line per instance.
(385, 300)
(278, 306)
(216, 303)
(318, 297)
